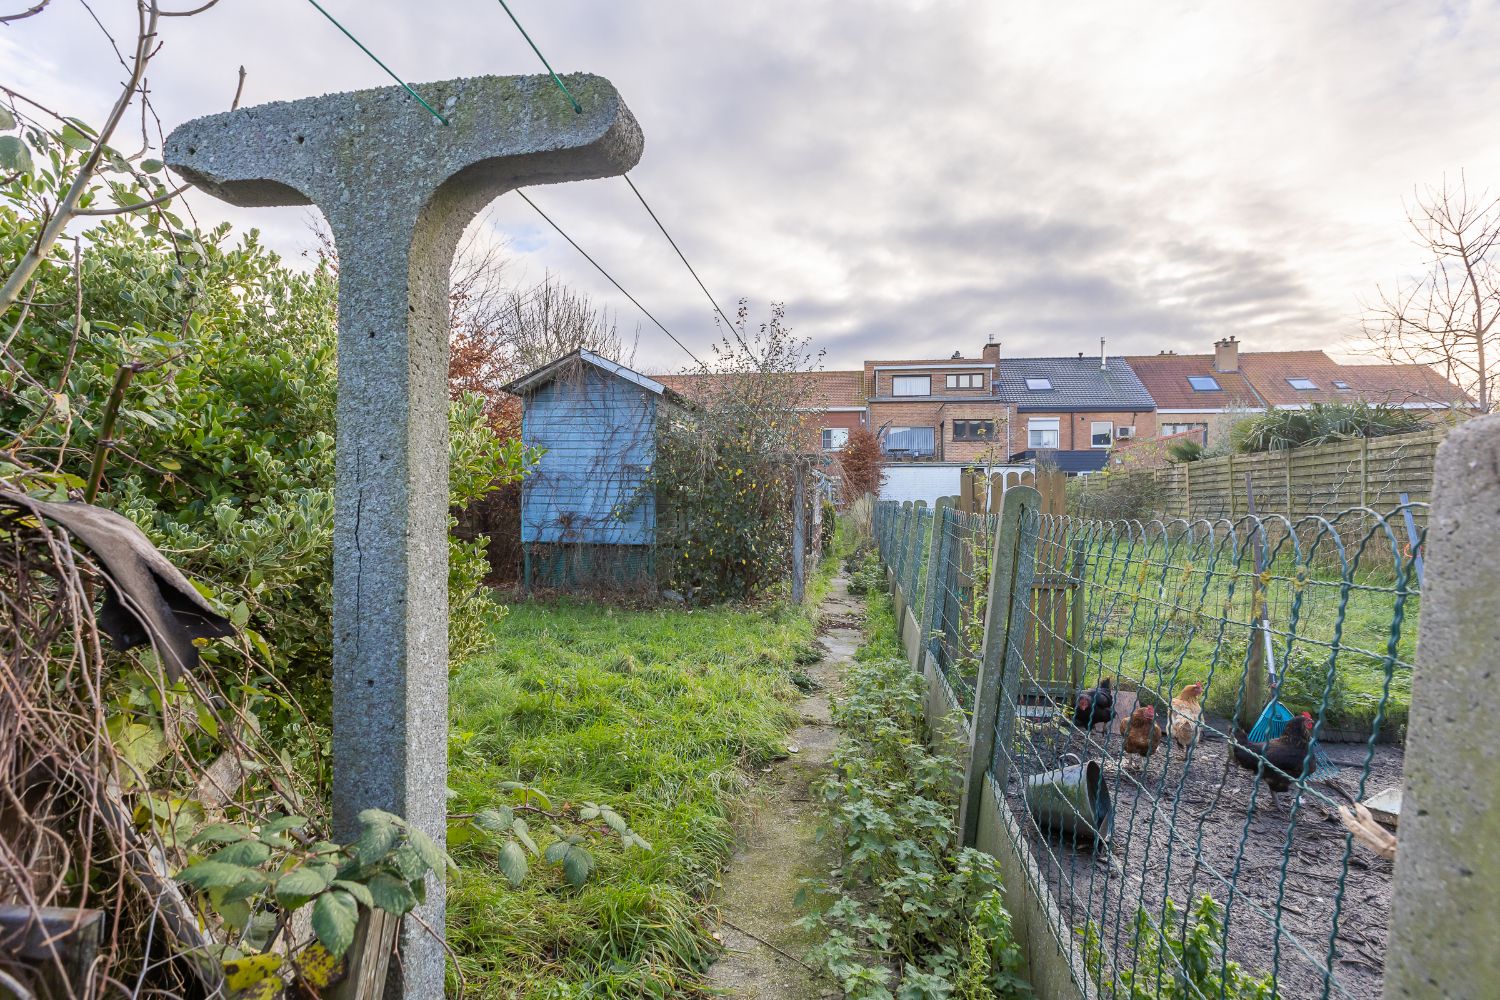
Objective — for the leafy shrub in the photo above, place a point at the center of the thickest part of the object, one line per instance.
(1321, 423)
(1115, 496)
(905, 895)
(861, 465)
(869, 575)
(225, 437)
(1174, 961)
(1186, 450)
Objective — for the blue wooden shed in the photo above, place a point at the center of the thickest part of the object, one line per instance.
(588, 505)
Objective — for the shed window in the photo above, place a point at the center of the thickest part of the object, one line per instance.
(911, 385)
(1043, 432)
(1101, 434)
(834, 438)
(1301, 383)
(970, 381)
(973, 430)
(1203, 383)
(909, 441)
(1039, 384)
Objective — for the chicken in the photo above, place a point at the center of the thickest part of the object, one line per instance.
(1187, 713)
(1095, 706)
(1286, 758)
(1141, 733)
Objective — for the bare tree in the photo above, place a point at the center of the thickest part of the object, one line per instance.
(1447, 317)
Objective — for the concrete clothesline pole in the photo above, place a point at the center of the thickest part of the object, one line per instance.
(398, 189)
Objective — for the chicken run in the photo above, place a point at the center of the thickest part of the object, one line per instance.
(1199, 809)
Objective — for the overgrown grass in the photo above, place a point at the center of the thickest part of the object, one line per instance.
(659, 713)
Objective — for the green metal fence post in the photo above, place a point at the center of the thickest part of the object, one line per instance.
(1011, 573)
(928, 612)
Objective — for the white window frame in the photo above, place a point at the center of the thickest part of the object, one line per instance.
(832, 441)
(1213, 386)
(1199, 428)
(1311, 386)
(907, 381)
(965, 381)
(1036, 430)
(1044, 386)
(1342, 386)
(1109, 426)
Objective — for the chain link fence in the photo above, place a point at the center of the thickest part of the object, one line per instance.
(1184, 715)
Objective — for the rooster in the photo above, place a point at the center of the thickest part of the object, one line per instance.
(1141, 733)
(1187, 714)
(1095, 707)
(1281, 761)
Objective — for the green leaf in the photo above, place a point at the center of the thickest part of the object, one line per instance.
(301, 883)
(614, 820)
(557, 850)
(577, 865)
(358, 890)
(495, 820)
(7, 120)
(433, 856)
(334, 918)
(513, 863)
(281, 824)
(391, 894)
(74, 139)
(152, 166)
(14, 156)
(214, 874)
(221, 833)
(523, 833)
(248, 853)
(375, 841)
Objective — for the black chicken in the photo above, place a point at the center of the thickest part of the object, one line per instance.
(1094, 707)
(1286, 758)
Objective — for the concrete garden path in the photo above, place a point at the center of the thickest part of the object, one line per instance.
(763, 947)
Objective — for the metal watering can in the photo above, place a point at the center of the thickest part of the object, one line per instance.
(1072, 800)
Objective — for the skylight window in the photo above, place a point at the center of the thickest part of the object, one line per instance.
(1341, 386)
(1039, 384)
(1301, 383)
(1203, 383)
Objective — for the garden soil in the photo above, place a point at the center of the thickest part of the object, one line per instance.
(763, 947)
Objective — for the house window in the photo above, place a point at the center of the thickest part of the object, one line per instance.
(973, 381)
(911, 385)
(973, 430)
(835, 438)
(1043, 433)
(1039, 384)
(1340, 385)
(1101, 434)
(1167, 430)
(1301, 383)
(911, 442)
(1203, 383)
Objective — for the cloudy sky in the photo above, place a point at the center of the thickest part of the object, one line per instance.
(913, 177)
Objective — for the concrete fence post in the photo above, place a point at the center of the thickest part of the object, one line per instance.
(1011, 572)
(1446, 913)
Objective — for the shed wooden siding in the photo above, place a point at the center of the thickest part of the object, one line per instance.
(592, 485)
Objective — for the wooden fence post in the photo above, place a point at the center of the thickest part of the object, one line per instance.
(799, 534)
(1011, 570)
(1443, 927)
(1364, 472)
(1187, 507)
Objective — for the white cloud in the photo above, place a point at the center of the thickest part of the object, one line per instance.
(913, 177)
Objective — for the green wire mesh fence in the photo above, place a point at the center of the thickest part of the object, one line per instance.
(1166, 666)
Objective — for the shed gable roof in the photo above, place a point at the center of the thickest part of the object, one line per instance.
(555, 369)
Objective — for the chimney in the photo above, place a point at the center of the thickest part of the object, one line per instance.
(991, 351)
(1227, 355)
(1103, 359)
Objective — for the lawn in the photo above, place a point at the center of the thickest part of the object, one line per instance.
(662, 714)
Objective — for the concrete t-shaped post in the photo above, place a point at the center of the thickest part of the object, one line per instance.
(398, 189)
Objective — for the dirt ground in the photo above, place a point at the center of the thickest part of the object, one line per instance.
(1182, 833)
(763, 948)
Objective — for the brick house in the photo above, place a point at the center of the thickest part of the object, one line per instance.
(833, 403)
(938, 409)
(1207, 394)
(1072, 410)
